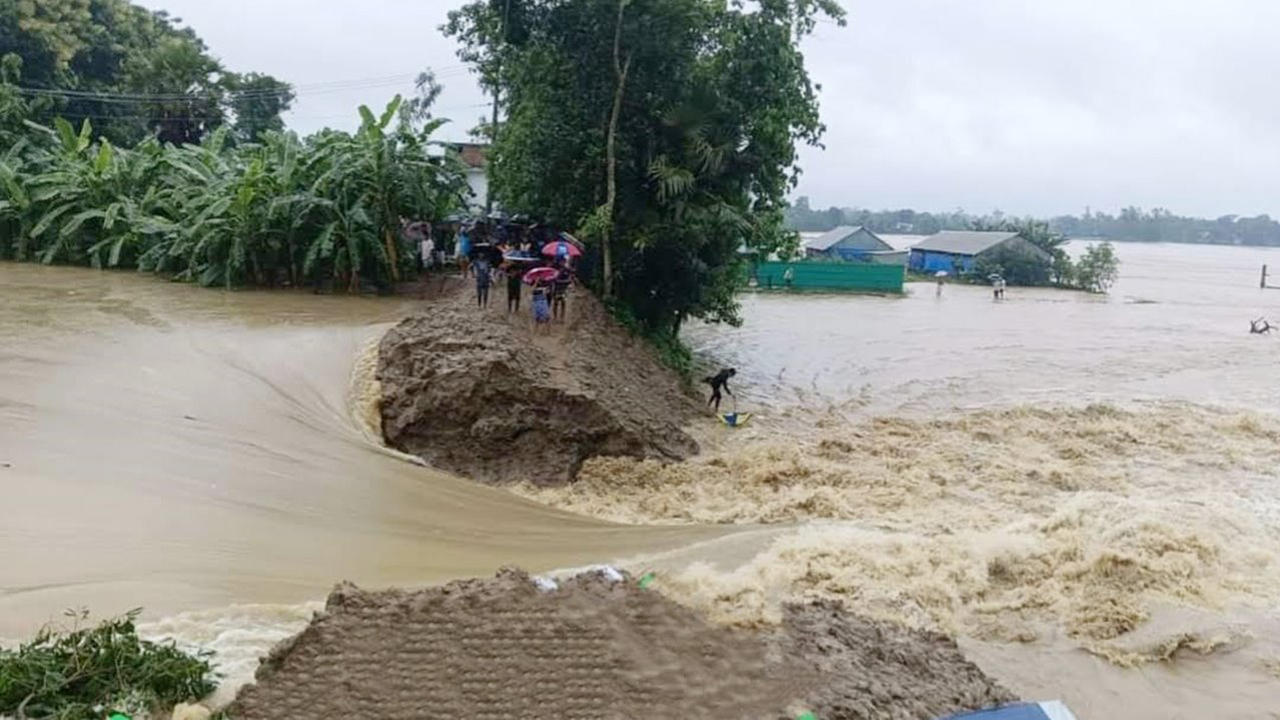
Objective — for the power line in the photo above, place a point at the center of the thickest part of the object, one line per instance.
(195, 97)
(139, 98)
(165, 98)
(51, 114)
(93, 94)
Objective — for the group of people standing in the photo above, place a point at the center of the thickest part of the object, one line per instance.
(490, 252)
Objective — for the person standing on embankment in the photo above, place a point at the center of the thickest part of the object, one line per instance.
(484, 276)
(513, 271)
(560, 291)
(462, 250)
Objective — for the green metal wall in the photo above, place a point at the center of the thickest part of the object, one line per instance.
(832, 276)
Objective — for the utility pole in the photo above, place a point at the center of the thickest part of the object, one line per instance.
(493, 126)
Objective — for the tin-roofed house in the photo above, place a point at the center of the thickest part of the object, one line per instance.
(955, 251)
(851, 243)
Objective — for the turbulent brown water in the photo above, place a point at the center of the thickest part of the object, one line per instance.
(1037, 476)
(179, 449)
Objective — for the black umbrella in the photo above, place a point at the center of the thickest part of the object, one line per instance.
(492, 251)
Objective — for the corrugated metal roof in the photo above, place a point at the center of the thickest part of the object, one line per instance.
(831, 237)
(899, 241)
(963, 242)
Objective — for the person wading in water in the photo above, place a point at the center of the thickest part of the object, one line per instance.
(717, 382)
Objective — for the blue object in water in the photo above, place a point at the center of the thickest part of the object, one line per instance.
(1051, 710)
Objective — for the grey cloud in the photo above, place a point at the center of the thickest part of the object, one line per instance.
(1031, 106)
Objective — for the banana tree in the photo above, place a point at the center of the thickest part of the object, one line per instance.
(328, 207)
(78, 197)
(387, 176)
(15, 205)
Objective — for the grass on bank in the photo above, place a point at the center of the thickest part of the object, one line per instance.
(670, 349)
(88, 673)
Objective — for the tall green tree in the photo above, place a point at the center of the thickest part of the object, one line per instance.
(258, 101)
(664, 131)
(130, 71)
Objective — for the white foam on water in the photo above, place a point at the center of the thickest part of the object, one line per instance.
(238, 636)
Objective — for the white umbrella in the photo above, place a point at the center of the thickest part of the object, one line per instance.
(941, 273)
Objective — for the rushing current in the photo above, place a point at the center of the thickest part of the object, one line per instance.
(213, 457)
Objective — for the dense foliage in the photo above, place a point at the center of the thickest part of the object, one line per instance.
(1098, 268)
(85, 673)
(664, 131)
(802, 217)
(1130, 225)
(322, 210)
(133, 72)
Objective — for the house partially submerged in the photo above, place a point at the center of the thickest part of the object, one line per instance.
(955, 251)
(852, 244)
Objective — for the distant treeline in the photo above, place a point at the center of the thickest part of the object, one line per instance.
(1130, 225)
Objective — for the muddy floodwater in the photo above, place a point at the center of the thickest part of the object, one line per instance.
(173, 448)
(1083, 489)
(1175, 326)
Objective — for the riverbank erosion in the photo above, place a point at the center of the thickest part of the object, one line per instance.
(477, 392)
(599, 645)
(1119, 529)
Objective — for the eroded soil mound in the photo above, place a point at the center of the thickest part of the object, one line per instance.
(874, 669)
(477, 393)
(596, 648)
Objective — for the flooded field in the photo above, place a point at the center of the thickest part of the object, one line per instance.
(1083, 489)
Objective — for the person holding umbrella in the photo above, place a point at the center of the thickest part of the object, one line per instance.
(564, 248)
(560, 291)
(541, 279)
(514, 264)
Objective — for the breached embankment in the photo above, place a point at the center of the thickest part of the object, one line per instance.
(1005, 525)
(596, 646)
(477, 393)
(1049, 529)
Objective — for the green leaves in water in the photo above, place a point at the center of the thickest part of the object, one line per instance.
(90, 672)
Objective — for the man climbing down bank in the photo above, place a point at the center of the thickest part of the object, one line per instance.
(717, 382)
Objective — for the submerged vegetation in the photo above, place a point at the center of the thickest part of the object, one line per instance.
(324, 209)
(86, 673)
(1096, 270)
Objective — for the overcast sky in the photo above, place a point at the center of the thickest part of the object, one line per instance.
(1030, 106)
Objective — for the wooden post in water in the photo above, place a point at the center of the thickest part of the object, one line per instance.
(1264, 277)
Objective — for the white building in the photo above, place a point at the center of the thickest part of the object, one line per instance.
(473, 156)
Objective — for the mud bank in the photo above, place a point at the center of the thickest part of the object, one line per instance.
(595, 647)
(476, 392)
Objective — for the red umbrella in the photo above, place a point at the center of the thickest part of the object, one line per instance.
(571, 239)
(542, 274)
(561, 249)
